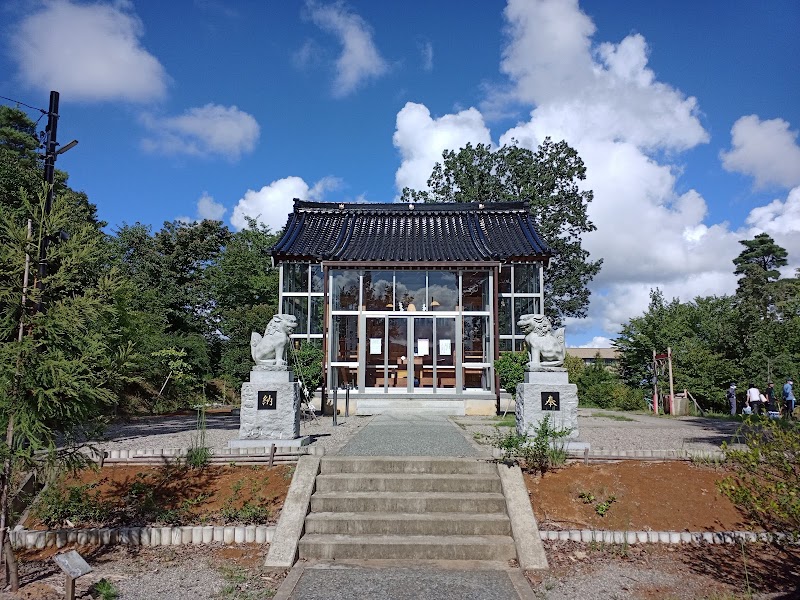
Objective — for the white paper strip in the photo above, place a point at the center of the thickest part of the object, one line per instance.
(445, 348)
(423, 347)
(375, 345)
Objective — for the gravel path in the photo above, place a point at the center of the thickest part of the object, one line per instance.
(623, 431)
(179, 431)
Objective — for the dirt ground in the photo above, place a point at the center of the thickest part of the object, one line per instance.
(658, 496)
(200, 494)
(661, 572)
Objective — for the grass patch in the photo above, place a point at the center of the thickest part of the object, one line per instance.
(508, 420)
(612, 416)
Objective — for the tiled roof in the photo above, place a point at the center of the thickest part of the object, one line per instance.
(410, 232)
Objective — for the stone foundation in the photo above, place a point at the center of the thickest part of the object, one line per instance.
(547, 392)
(270, 410)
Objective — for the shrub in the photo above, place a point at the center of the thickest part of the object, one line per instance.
(765, 483)
(510, 368)
(539, 453)
(76, 503)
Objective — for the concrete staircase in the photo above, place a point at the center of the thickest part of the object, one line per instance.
(407, 508)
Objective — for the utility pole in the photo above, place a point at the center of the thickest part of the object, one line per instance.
(49, 176)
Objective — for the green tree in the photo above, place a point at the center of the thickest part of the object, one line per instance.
(58, 365)
(758, 266)
(548, 180)
(244, 286)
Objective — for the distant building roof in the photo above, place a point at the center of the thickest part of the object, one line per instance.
(410, 232)
(605, 353)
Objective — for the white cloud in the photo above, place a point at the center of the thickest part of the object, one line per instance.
(421, 140)
(628, 127)
(272, 203)
(203, 131)
(360, 59)
(597, 341)
(207, 208)
(87, 52)
(765, 150)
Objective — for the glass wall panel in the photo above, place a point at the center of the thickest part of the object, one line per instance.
(295, 277)
(297, 306)
(317, 311)
(445, 348)
(410, 290)
(504, 316)
(506, 345)
(526, 279)
(379, 290)
(344, 335)
(376, 353)
(442, 290)
(504, 285)
(476, 339)
(344, 377)
(317, 280)
(423, 352)
(475, 290)
(344, 290)
(397, 358)
(477, 378)
(525, 306)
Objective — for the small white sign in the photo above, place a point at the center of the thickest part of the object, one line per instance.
(375, 345)
(445, 349)
(423, 347)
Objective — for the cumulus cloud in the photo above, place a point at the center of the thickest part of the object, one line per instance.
(203, 131)
(360, 59)
(207, 208)
(87, 52)
(628, 127)
(421, 139)
(597, 341)
(272, 203)
(766, 150)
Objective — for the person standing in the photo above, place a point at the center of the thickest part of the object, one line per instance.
(788, 397)
(770, 394)
(754, 398)
(732, 398)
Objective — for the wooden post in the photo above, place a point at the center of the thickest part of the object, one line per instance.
(655, 383)
(671, 392)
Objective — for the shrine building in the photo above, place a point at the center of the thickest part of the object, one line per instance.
(411, 303)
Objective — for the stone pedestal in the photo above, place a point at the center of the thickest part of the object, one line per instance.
(547, 391)
(270, 412)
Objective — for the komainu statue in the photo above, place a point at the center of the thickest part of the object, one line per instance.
(270, 350)
(546, 348)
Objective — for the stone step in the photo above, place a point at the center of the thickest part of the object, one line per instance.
(407, 547)
(408, 482)
(436, 524)
(408, 464)
(408, 502)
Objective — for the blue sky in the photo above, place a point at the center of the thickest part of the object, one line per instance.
(686, 114)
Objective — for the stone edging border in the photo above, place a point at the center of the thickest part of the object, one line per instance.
(664, 537)
(611, 454)
(142, 536)
(215, 452)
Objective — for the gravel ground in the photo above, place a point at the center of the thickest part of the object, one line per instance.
(623, 431)
(179, 431)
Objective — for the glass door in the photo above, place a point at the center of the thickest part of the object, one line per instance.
(444, 348)
(397, 358)
(423, 353)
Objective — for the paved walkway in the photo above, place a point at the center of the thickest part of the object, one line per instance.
(400, 434)
(326, 581)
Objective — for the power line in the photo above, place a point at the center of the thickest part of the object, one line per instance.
(41, 110)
